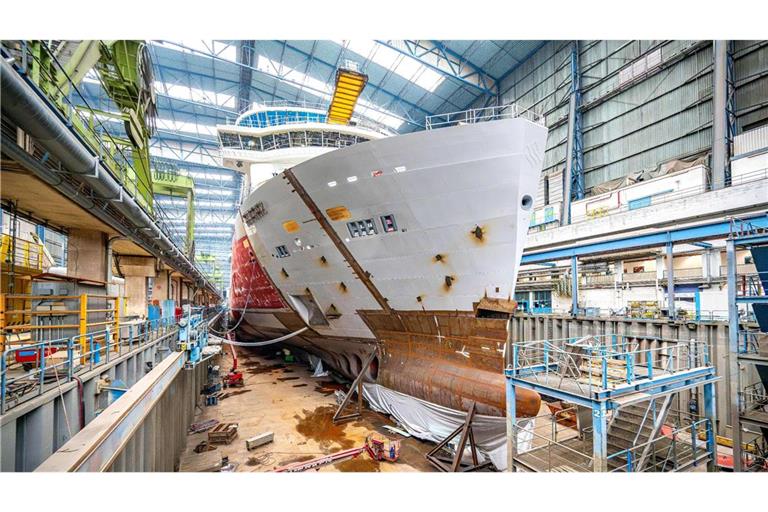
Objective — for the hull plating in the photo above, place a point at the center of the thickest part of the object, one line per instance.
(399, 245)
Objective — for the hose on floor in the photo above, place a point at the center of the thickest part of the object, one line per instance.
(259, 343)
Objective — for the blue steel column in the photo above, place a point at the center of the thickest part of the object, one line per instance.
(511, 425)
(574, 156)
(41, 233)
(733, 354)
(599, 437)
(671, 283)
(711, 414)
(574, 285)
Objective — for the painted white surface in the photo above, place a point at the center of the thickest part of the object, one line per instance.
(447, 182)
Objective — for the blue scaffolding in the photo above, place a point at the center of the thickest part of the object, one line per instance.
(748, 364)
(613, 377)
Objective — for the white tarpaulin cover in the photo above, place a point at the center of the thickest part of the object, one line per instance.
(432, 422)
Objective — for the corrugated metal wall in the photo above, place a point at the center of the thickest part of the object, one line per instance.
(644, 102)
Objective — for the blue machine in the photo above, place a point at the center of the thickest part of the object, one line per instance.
(193, 335)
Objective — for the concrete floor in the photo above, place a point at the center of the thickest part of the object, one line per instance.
(287, 400)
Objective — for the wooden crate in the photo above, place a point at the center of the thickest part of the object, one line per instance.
(223, 433)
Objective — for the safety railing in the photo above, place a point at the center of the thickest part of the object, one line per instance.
(741, 228)
(328, 138)
(34, 368)
(753, 398)
(561, 449)
(320, 111)
(592, 364)
(479, 115)
(678, 448)
(652, 312)
(754, 177)
(27, 317)
(23, 254)
(92, 125)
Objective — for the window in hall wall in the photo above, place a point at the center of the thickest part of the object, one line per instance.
(546, 190)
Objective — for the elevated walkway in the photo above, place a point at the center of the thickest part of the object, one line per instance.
(622, 393)
(749, 348)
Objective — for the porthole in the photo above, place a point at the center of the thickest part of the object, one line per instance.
(527, 202)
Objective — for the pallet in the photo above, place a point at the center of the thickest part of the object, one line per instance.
(223, 433)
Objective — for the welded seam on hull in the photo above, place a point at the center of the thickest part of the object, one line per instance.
(343, 249)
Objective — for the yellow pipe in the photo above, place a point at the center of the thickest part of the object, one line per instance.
(117, 322)
(83, 325)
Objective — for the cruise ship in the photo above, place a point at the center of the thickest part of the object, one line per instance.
(352, 240)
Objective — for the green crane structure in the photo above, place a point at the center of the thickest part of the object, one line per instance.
(124, 69)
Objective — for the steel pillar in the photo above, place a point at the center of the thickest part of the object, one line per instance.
(733, 354)
(511, 426)
(599, 437)
(710, 413)
(574, 285)
(720, 138)
(573, 185)
(671, 282)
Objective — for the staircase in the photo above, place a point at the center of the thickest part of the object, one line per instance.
(634, 425)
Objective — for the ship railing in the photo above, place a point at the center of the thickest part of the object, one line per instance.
(591, 364)
(479, 115)
(367, 124)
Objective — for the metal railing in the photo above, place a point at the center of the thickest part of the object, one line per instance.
(741, 228)
(751, 177)
(479, 115)
(753, 398)
(678, 449)
(90, 125)
(44, 369)
(552, 455)
(591, 364)
(23, 253)
(321, 109)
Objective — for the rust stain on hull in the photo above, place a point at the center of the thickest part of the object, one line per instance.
(448, 358)
(445, 357)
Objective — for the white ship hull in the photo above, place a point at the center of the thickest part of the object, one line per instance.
(456, 203)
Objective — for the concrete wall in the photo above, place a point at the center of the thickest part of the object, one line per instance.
(87, 254)
(157, 444)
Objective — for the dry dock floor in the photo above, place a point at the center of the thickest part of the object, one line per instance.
(285, 399)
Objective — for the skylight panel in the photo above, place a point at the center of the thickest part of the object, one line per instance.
(182, 126)
(407, 67)
(184, 92)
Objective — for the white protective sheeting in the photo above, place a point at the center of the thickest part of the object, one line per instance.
(432, 422)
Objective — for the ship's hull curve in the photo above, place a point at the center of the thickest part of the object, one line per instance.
(415, 289)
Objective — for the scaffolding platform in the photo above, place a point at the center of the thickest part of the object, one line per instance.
(621, 389)
(748, 347)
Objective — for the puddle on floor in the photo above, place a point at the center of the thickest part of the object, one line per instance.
(328, 387)
(360, 464)
(228, 394)
(257, 369)
(318, 425)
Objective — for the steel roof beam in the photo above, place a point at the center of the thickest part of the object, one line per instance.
(436, 56)
(294, 83)
(245, 51)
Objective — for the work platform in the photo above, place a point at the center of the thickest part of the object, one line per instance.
(617, 393)
(749, 347)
